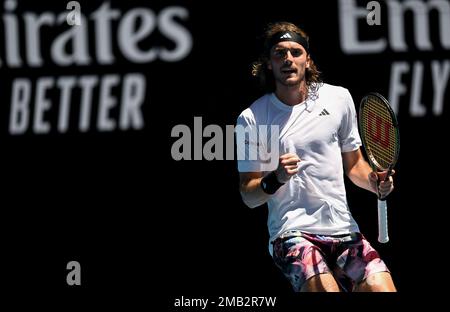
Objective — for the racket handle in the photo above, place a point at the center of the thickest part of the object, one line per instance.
(388, 174)
(382, 222)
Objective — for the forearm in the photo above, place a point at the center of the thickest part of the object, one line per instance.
(252, 193)
(359, 175)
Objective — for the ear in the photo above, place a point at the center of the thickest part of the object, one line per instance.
(269, 65)
(308, 61)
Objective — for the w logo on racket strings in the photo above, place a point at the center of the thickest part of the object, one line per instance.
(381, 133)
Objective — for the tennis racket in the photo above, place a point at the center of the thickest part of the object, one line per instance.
(381, 140)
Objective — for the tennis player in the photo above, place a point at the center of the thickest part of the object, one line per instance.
(314, 239)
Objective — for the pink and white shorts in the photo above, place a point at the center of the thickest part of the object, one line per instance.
(350, 258)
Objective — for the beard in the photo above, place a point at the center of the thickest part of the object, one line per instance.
(289, 82)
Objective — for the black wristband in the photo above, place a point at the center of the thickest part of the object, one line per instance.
(270, 183)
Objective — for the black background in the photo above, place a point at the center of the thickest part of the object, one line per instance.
(148, 229)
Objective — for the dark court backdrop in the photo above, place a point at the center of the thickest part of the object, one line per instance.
(88, 172)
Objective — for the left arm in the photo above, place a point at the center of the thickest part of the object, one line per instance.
(360, 173)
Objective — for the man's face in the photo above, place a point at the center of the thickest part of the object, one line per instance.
(288, 62)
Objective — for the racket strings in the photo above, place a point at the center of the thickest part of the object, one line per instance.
(380, 135)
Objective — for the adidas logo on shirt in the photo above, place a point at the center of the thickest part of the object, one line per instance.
(286, 36)
(324, 112)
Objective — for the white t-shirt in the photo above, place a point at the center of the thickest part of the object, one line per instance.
(318, 131)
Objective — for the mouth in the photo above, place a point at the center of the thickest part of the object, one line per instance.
(288, 71)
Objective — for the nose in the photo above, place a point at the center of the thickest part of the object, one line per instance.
(288, 58)
(287, 61)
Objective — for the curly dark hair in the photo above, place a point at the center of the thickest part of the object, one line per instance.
(265, 76)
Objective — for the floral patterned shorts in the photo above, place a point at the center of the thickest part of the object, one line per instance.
(350, 258)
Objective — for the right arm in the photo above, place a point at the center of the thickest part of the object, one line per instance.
(250, 182)
(251, 191)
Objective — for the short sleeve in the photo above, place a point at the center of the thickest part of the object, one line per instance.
(349, 138)
(254, 145)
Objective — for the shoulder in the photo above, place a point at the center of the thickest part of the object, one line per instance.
(337, 95)
(255, 110)
(335, 91)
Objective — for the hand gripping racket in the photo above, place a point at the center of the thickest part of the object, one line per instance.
(381, 140)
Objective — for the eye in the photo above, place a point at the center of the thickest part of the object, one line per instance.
(280, 53)
(296, 52)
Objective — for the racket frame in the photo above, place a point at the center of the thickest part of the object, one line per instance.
(383, 236)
